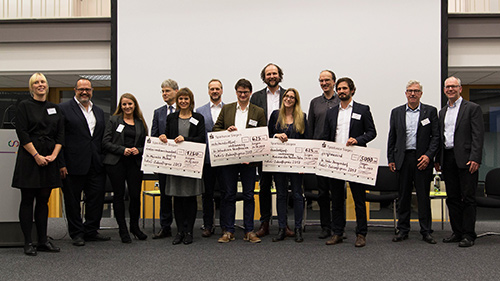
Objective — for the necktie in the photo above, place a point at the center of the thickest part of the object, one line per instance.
(170, 109)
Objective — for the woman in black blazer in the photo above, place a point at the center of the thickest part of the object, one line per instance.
(123, 143)
(184, 125)
(289, 122)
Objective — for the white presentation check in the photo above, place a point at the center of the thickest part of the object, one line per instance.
(183, 159)
(249, 145)
(351, 163)
(293, 156)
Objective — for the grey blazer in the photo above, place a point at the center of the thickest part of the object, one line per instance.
(113, 141)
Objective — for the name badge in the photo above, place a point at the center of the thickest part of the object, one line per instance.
(425, 122)
(51, 111)
(193, 121)
(252, 122)
(120, 128)
(356, 116)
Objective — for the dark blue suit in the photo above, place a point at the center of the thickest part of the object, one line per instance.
(159, 127)
(363, 130)
(210, 175)
(406, 164)
(82, 156)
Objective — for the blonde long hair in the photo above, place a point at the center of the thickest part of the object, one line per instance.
(298, 115)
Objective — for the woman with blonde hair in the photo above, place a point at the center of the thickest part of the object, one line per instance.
(289, 122)
(123, 143)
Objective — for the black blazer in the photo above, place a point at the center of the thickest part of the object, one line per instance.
(427, 135)
(113, 141)
(196, 132)
(80, 149)
(469, 134)
(363, 130)
(260, 99)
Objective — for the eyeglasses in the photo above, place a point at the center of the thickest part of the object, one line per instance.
(289, 97)
(81, 90)
(451, 86)
(411, 91)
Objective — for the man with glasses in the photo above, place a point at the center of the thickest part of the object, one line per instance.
(81, 165)
(169, 89)
(236, 116)
(462, 136)
(316, 124)
(412, 145)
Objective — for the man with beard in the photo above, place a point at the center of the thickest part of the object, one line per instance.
(316, 124)
(81, 165)
(210, 112)
(350, 123)
(268, 99)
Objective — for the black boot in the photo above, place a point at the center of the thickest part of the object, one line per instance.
(124, 235)
(298, 235)
(281, 235)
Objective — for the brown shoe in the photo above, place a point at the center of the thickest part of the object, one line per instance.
(360, 241)
(263, 230)
(206, 232)
(251, 237)
(289, 232)
(336, 239)
(226, 237)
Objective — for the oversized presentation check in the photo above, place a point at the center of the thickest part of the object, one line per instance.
(352, 163)
(180, 159)
(293, 156)
(249, 145)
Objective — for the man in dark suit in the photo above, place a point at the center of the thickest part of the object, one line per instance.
(411, 147)
(350, 123)
(210, 112)
(169, 89)
(239, 116)
(268, 99)
(462, 136)
(81, 165)
(316, 124)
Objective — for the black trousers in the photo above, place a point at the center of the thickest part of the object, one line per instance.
(92, 184)
(126, 170)
(265, 197)
(408, 177)
(461, 188)
(185, 209)
(166, 216)
(211, 176)
(324, 202)
(358, 192)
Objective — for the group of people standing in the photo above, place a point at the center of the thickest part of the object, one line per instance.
(71, 146)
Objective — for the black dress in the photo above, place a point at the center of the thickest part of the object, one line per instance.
(42, 124)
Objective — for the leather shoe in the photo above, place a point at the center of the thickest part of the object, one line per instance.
(298, 235)
(452, 239)
(97, 237)
(163, 233)
(289, 232)
(263, 230)
(251, 237)
(281, 235)
(178, 238)
(188, 238)
(78, 241)
(360, 241)
(325, 233)
(336, 239)
(466, 242)
(429, 239)
(400, 237)
(47, 247)
(29, 249)
(207, 232)
(226, 237)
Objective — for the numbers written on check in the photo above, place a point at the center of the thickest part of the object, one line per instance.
(368, 159)
(259, 138)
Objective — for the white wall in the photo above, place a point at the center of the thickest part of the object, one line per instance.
(379, 44)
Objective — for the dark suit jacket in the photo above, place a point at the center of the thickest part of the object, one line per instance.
(275, 128)
(427, 135)
(80, 148)
(228, 112)
(206, 111)
(159, 121)
(363, 130)
(113, 141)
(196, 132)
(260, 99)
(469, 134)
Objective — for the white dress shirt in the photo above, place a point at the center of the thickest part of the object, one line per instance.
(450, 121)
(412, 116)
(89, 115)
(240, 119)
(215, 110)
(343, 123)
(273, 102)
